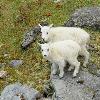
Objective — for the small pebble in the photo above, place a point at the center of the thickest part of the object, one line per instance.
(98, 73)
(80, 81)
(6, 55)
(56, 1)
(16, 63)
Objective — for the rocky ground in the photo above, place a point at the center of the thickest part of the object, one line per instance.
(84, 87)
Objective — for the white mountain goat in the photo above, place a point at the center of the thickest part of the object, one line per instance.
(60, 52)
(53, 34)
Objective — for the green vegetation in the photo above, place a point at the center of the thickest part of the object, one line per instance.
(18, 16)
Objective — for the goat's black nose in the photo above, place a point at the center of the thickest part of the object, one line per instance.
(45, 55)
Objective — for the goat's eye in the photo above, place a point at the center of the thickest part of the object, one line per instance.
(47, 32)
(42, 50)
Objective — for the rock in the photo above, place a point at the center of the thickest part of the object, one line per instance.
(16, 63)
(98, 72)
(80, 81)
(48, 89)
(84, 87)
(97, 96)
(30, 35)
(3, 74)
(6, 55)
(28, 38)
(60, 89)
(92, 68)
(85, 17)
(47, 99)
(19, 92)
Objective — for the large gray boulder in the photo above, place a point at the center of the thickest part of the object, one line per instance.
(30, 35)
(19, 92)
(84, 87)
(85, 17)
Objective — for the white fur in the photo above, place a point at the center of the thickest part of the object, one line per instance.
(60, 52)
(53, 34)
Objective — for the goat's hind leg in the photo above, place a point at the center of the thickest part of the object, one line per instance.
(75, 63)
(85, 53)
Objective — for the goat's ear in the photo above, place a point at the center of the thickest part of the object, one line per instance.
(40, 26)
(50, 25)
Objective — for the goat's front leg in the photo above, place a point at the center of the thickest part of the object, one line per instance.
(74, 62)
(54, 68)
(61, 65)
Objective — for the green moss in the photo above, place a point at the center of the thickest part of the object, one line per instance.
(16, 17)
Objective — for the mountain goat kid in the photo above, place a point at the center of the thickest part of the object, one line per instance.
(53, 34)
(60, 52)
